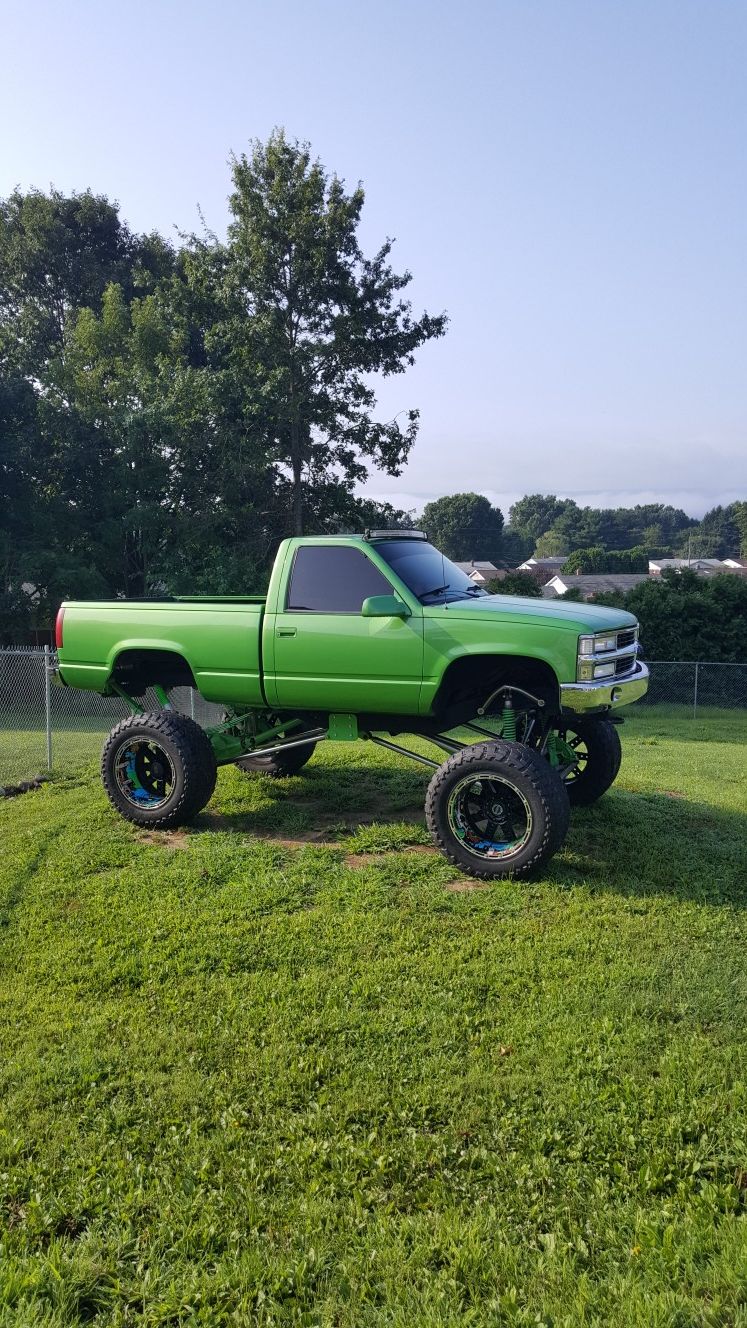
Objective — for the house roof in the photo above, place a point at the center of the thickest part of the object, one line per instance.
(696, 564)
(593, 585)
(485, 569)
(542, 564)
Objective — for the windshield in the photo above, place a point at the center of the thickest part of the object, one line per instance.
(425, 571)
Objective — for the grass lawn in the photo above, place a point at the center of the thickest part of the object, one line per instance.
(23, 747)
(284, 1068)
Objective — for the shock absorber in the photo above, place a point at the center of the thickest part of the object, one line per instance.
(508, 719)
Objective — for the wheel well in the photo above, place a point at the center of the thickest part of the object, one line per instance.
(473, 677)
(134, 670)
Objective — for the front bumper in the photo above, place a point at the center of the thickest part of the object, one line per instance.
(607, 694)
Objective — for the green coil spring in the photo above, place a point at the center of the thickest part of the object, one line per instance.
(508, 723)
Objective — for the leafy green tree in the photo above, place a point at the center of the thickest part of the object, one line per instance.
(516, 546)
(597, 560)
(684, 616)
(594, 559)
(717, 536)
(739, 516)
(464, 526)
(620, 528)
(516, 583)
(536, 513)
(58, 254)
(308, 319)
(553, 544)
(580, 528)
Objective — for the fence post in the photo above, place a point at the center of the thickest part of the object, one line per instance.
(48, 703)
(695, 691)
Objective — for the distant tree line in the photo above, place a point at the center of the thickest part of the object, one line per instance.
(615, 539)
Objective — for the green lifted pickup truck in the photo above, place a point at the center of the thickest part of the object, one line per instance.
(369, 636)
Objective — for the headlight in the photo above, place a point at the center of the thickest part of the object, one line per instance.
(594, 645)
(604, 670)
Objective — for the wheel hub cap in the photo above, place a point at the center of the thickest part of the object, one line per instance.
(144, 773)
(490, 817)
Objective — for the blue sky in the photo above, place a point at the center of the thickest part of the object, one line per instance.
(566, 178)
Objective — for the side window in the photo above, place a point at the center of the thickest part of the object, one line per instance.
(326, 579)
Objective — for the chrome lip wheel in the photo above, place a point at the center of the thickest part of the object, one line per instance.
(490, 817)
(144, 774)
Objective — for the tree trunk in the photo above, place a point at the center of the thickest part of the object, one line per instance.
(296, 465)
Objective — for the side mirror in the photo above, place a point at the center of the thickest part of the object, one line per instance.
(384, 606)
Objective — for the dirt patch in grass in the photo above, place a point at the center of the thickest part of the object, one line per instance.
(358, 860)
(172, 839)
(467, 884)
(315, 837)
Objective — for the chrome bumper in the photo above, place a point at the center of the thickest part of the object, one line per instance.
(607, 694)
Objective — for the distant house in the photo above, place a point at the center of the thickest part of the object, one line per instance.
(481, 572)
(736, 564)
(548, 565)
(705, 565)
(621, 582)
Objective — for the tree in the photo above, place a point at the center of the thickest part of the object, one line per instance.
(516, 546)
(58, 255)
(553, 544)
(612, 528)
(739, 516)
(464, 526)
(688, 617)
(516, 583)
(717, 535)
(308, 319)
(588, 561)
(599, 560)
(536, 513)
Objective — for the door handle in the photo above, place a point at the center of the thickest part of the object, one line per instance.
(285, 631)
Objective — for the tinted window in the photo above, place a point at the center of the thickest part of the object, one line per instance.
(426, 571)
(326, 579)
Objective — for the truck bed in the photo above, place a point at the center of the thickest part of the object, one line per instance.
(219, 636)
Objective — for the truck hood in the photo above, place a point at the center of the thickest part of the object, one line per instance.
(550, 612)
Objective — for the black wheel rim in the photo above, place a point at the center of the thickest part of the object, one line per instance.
(581, 752)
(143, 773)
(489, 816)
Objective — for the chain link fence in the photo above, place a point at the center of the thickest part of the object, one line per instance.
(44, 728)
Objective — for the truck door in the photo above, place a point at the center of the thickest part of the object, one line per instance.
(326, 655)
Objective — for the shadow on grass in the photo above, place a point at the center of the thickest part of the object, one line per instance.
(646, 844)
(637, 844)
(325, 803)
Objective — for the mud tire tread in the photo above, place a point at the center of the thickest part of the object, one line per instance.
(604, 759)
(194, 763)
(540, 785)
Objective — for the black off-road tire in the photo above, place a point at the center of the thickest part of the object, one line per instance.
(535, 782)
(191, 758)
(599, 741)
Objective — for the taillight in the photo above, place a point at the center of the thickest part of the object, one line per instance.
(58, 627)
